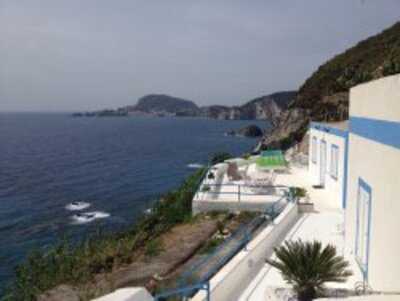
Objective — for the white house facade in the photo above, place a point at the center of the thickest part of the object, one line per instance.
(327, 156)
(372, 217)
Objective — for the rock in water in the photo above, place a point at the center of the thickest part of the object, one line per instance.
(248, 131)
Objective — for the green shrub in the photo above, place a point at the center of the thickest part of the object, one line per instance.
(211, 245)
(205, 188)
(220, 227)
(220, 157)
(246, 156)
(153, 248)
(298, 192)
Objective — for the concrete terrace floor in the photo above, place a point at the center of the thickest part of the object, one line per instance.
(326, 224)
(295, 176)
(228, 191)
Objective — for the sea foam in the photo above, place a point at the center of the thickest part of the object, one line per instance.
(87, 217)
(195, 165)
(76, 206)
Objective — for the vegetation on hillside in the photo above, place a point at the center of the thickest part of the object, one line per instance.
(75, 264)
(324, 95)
(370, 59)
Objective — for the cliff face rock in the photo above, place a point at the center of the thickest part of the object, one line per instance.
(266, 107)
(290, 127)
(324, 96)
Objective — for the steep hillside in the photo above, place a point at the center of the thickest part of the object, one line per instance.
(324, 96)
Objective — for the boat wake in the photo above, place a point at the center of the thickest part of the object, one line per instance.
(87, 217)
(195, 165)
(76, 206)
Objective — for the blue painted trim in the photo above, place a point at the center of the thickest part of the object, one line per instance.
(364, 267)
(314, 144)
(328, 129)
(334, 148)
(323, 142)
(185, 291)
(345, 171)
(381, 131)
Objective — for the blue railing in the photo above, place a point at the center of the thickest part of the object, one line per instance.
(206, 267)
(198, 276)
(184, 292)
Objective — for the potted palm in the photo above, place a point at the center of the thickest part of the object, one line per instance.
(307, 266)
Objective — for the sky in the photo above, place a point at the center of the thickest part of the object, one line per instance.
(76, 55)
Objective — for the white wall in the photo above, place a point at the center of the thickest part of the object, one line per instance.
(334, 187)
(127, 294)
(378, 165)
(230, 282)
(378, 99)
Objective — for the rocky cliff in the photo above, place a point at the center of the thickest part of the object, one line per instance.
(324, 96)
(265, 107)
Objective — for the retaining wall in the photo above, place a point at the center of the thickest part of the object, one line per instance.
(230, 282)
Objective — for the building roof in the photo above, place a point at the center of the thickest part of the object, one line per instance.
(341, 125)
(336, 128)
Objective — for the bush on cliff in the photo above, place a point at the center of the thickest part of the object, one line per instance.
(220, 157)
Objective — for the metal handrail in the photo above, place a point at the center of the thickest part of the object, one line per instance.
(242, 232)
(241, 190)
(243, 235)
(185, 291)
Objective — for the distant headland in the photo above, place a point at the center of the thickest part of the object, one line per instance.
(160, 105)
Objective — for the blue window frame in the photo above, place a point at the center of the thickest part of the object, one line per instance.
(363, 228)
(334, 168)
(314, 150)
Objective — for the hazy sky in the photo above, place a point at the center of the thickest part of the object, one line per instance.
(58, 55)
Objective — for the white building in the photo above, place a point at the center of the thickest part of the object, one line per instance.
(373, 184)
(359, 168)
(327, 156)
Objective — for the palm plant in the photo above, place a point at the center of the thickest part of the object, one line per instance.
(307, 266)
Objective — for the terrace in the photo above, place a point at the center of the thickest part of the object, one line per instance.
(252, 184)
(326, 227)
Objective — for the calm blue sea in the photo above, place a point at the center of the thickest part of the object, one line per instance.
(117, 165)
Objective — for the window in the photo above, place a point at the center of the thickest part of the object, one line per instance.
(314, 150)
(334, 161)
(363, 225)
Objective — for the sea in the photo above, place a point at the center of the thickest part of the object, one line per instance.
(114, 167)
